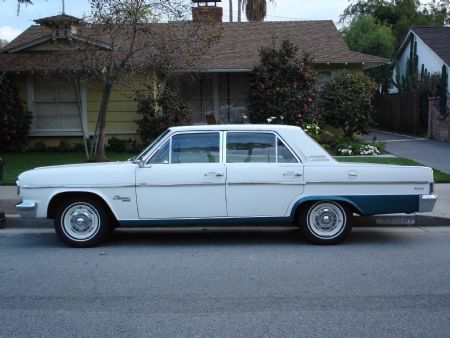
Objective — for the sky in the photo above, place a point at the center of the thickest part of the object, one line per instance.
(12, 24)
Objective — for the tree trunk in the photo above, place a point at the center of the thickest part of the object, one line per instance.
(231, 10)
(239, 10)
(100, 155)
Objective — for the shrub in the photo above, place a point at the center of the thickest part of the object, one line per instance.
(347, 102)
(160, 112)
(39, 147)
(117, 145)
(64, 146)
(14, 120)
(282, 87)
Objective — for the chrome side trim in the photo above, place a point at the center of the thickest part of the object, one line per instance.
(367, 182)
(145, 185)
(27, 209)
(427, 202)
(266, 183)
(75, 186)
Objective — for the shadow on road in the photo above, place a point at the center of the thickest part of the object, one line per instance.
(214, 237)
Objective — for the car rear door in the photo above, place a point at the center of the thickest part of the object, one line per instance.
(263, 175)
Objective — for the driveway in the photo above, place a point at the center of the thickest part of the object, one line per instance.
(431, 153)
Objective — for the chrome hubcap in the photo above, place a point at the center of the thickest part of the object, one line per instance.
(80, 221)
(326, 219)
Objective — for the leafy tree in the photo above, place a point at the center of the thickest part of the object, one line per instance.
(398, 14)
(15, 121)
(347, 102)
(366, 35)
(3, 43)
(282, 86)
(145, 48)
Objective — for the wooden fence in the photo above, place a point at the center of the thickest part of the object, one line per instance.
(402, 112)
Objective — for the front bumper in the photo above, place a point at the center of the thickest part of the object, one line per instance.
(27, 209)
(427, 202)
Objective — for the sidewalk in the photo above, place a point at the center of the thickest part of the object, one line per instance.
(439, 216)
(428, 152)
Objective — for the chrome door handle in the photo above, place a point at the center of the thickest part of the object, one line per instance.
(213, 173)
(291, 173)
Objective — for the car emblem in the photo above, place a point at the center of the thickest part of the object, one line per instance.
(123, 199)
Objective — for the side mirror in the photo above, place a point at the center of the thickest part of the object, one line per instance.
(140, 163)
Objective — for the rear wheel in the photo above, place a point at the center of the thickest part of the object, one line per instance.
(82, 221)
(325, 222)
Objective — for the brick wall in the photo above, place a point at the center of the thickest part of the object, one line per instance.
(438, 126)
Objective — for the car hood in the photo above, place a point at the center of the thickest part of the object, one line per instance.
(89, 174)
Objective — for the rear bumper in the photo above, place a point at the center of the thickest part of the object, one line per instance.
(27, 209)
(427, 202)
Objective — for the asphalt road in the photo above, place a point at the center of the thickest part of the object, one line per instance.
(383, 282)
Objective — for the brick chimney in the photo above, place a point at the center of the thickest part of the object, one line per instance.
(204, 12)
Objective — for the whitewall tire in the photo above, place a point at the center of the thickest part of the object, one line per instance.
(82, 221)
(325, 222)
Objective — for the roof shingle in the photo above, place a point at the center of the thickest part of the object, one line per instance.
(237, 48)
(437, 38)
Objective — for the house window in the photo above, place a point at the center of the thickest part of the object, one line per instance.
(221, 96)
(56, 106)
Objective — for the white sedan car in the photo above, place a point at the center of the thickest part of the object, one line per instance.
(223, 174)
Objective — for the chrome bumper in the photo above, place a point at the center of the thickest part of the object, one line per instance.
(427, 202)
(27, 209)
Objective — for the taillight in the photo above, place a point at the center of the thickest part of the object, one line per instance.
(431, 187)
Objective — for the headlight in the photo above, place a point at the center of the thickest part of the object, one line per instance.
(18, 187)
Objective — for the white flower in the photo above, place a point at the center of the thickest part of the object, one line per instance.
(269, 120)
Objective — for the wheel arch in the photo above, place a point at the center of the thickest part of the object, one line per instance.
(59, 197)
(301, 203)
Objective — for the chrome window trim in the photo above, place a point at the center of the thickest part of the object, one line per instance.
(277, 137)
(197, 132)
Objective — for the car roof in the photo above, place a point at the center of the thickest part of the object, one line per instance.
(250, 127)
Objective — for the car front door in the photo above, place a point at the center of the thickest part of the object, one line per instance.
(263, 175)
(185, 178)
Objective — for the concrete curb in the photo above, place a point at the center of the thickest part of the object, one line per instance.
(14, 221)
(400, 220)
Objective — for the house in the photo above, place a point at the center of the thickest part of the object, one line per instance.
(432, 45)
(62, 111)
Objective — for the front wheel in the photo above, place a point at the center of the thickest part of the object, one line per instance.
(325, 222)
(81, 221)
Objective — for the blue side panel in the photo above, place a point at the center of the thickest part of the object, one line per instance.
(365, 204)
(371, 204)
(386, 204)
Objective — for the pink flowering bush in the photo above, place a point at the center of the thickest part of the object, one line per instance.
(282, 86)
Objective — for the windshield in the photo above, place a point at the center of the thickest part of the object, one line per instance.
(150, 147)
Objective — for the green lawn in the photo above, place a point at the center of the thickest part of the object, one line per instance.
(17, 163)
(439, 176)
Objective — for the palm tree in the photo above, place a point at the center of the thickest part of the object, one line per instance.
(255, 10)
(231, 10)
